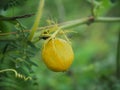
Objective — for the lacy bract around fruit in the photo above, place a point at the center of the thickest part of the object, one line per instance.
(57, 54)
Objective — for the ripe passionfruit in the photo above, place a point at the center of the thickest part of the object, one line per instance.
(57, 54)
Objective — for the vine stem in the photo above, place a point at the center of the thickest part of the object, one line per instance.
(37, 20)
(3, 18)
(107, 19)
(118, 58)
(69, 24)
(89, 20)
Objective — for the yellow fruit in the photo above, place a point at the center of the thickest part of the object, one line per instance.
(57, 54)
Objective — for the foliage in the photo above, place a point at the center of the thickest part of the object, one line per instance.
(94, 44)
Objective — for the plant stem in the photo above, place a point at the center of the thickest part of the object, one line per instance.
(118, 58)
(70, 24)
(3, 18)
(107, 19)
(74, 23)
(37, 20)
(89, 20)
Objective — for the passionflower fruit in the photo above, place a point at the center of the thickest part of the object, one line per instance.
(57, 54)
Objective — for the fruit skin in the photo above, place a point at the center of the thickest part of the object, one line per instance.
(57, 54)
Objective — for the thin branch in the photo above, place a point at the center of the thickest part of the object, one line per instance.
(9, 33)
(73, 23)
(89, 20)
(77, 22)
(107, 19)
(92, 7)
(16, 17)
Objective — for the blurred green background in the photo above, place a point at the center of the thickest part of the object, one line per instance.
(94, 45)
